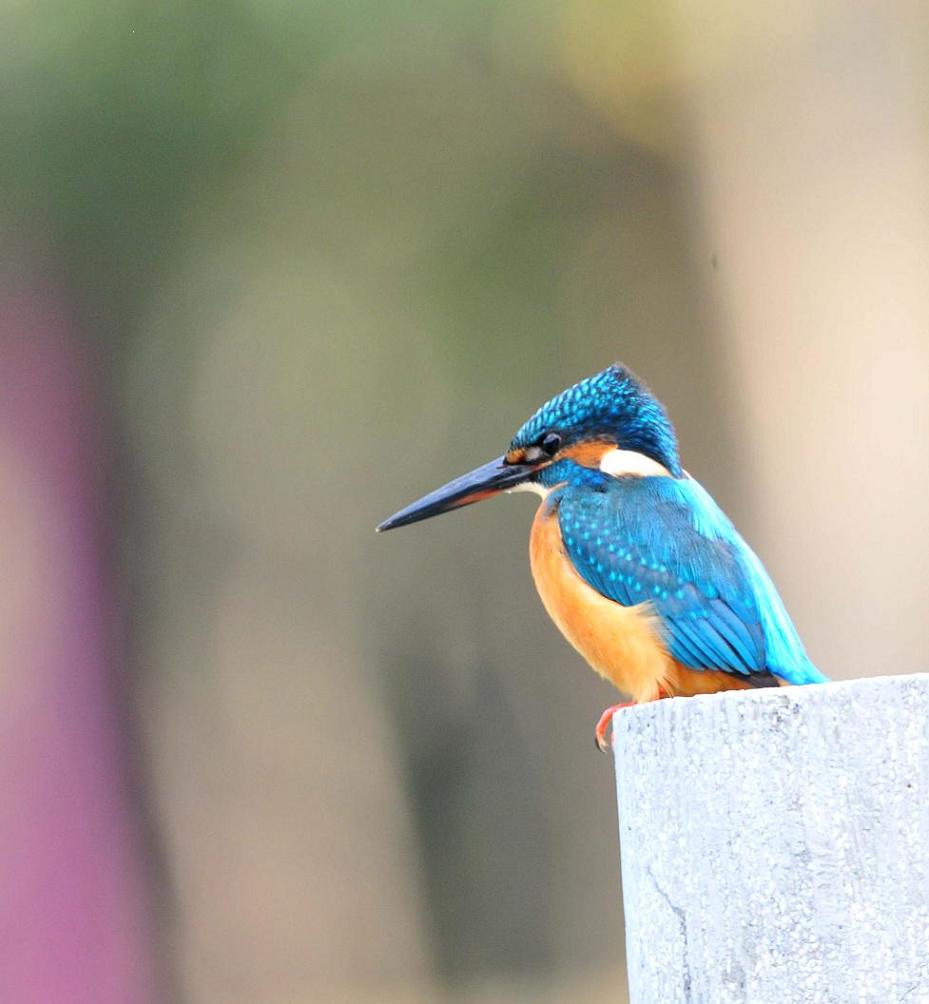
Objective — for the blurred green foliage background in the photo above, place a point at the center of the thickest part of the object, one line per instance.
(272, 270)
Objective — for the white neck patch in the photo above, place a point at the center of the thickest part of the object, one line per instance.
(529, 486)
(626, 463)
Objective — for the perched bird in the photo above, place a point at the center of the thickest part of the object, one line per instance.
(634, 561)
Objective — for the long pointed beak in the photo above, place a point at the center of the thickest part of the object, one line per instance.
(478, 484)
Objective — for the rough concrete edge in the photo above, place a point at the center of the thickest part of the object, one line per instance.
(776, 697)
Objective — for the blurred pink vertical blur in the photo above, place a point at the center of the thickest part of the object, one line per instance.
(72, 897)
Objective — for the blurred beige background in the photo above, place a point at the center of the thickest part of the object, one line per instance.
(269, 273)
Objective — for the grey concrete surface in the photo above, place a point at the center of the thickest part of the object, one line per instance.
(775, 845)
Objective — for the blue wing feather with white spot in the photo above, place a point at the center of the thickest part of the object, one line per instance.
(665, 541)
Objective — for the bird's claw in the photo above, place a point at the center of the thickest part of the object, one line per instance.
(602, 743)
(606, 720)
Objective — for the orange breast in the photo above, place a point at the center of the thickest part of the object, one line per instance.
(623, 644)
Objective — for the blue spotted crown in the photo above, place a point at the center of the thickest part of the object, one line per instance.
(614, 405)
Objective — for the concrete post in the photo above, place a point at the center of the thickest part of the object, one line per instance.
(775, 845)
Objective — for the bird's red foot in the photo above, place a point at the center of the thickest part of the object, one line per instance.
(607, 717)
(603, 725)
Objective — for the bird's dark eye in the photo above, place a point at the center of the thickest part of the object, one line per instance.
(550, 443)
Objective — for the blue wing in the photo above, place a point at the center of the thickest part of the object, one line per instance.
(665, 541)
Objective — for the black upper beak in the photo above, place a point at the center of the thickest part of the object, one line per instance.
(478, 484)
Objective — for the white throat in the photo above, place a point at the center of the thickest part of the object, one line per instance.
(529, 486)
(626, 463)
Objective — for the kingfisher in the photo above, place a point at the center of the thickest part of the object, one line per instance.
(634, 561)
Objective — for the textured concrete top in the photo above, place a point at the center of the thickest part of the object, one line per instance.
(775, 845)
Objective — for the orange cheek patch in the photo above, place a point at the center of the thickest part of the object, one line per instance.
(588, 454)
